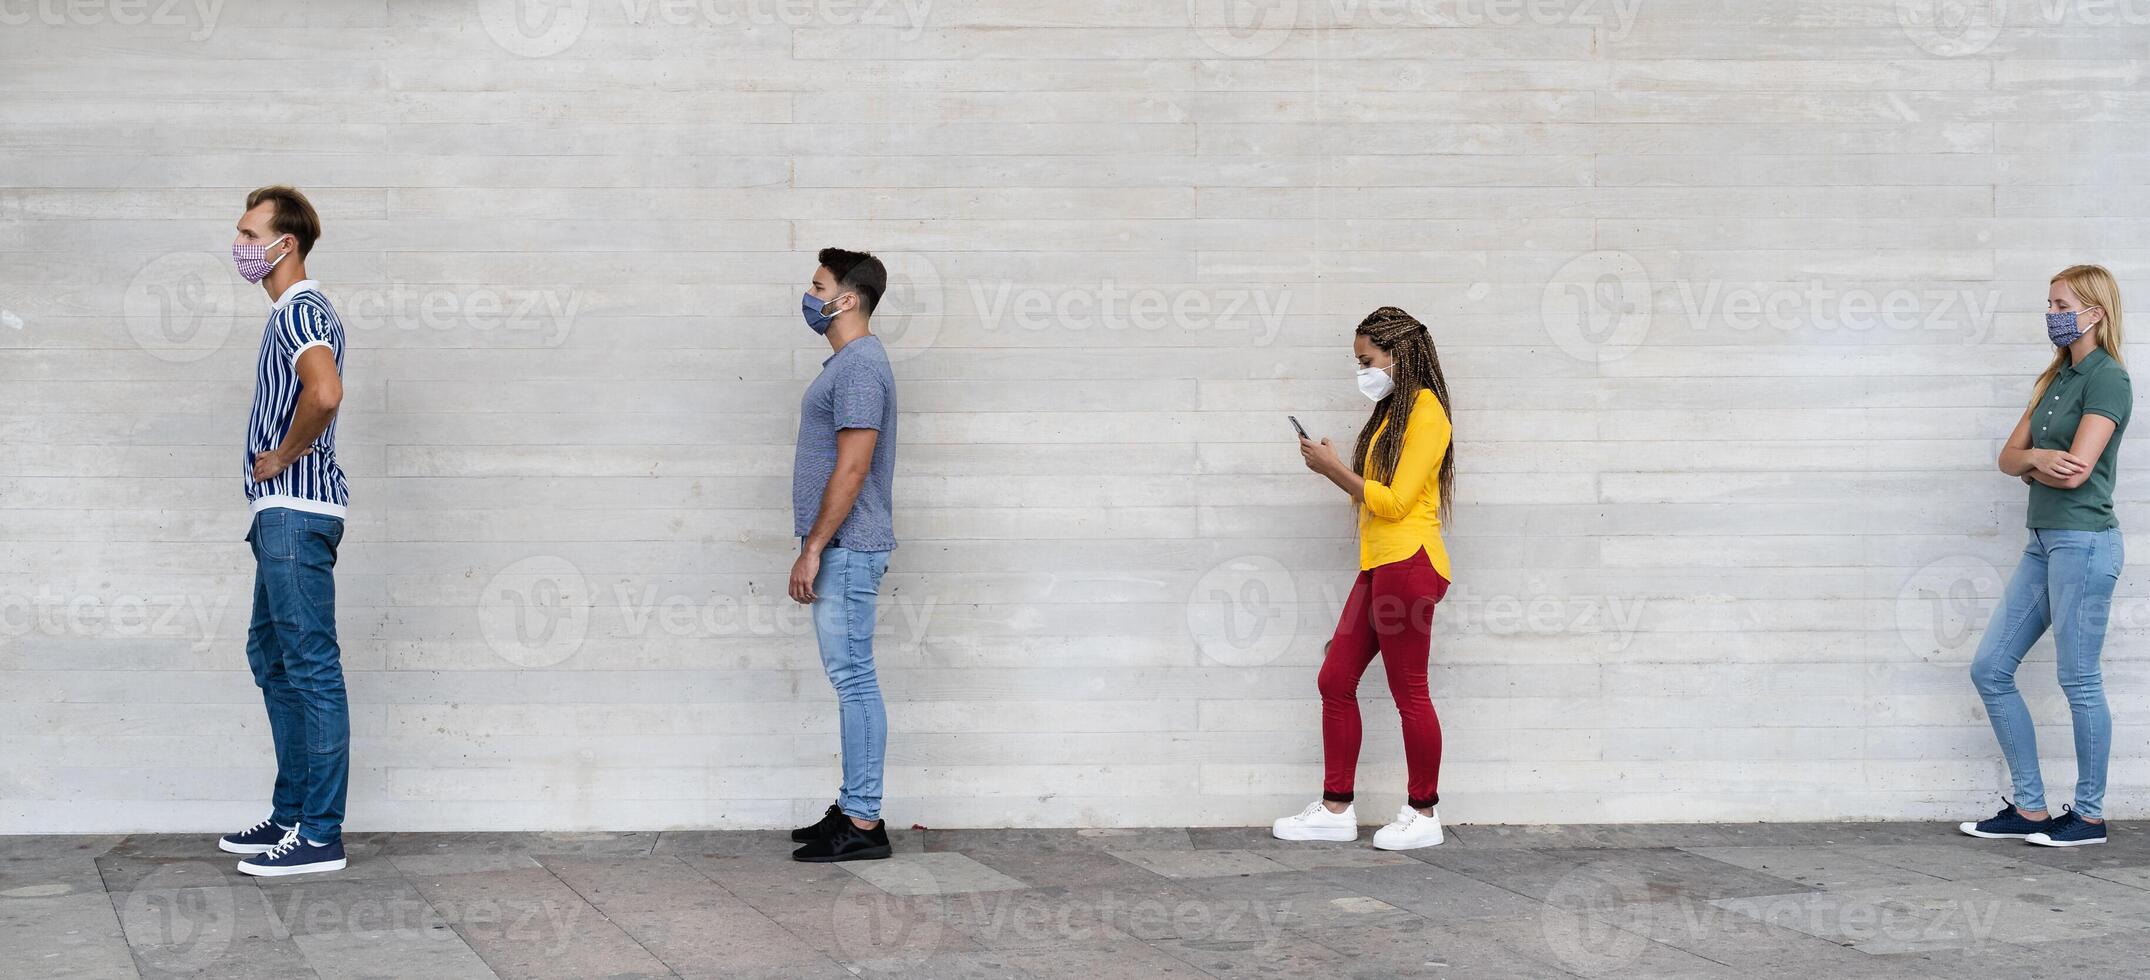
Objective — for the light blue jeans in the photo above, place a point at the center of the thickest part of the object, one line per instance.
(845, 592)
(2064, 580)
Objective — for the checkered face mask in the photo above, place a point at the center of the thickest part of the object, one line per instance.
(253, 259)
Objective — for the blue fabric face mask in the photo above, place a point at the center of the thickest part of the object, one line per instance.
(2062, 329)
(819, 312)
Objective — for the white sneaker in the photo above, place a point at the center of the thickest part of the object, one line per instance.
(1412, 829)
(1317, 823)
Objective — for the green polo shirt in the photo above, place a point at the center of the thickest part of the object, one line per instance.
(2096, 385)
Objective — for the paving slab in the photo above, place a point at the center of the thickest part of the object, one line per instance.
(1201, 864)
(251, 959)
(436, 953)
(718, 938)
(1586, 877)
(938, 873)
(637, 883)
(66, 935)
(1827, 867)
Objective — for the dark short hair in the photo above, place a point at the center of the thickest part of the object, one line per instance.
(858, 271)
(294, 214)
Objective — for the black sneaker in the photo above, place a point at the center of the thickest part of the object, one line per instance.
(822, 827)
(847, 843)
(2008, 823)
(257, 839)
(2069, 830)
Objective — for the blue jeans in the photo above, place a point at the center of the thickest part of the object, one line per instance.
(291, 645)
(2065, 580)
(845, 591)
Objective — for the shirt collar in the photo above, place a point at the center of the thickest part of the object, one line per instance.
(292, 292)
(833, 354)
(2084, 364)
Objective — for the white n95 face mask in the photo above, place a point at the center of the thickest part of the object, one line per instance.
(1375, 383)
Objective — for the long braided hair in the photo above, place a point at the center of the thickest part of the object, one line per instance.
(1417, 368)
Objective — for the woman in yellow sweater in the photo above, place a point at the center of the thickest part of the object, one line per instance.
(1402, 476)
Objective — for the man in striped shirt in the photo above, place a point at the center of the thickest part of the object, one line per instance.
(297, 494)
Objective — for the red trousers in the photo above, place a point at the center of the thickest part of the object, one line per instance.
(1390, 612)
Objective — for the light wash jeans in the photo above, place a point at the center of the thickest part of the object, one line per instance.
(845, 592)
(2065, 580)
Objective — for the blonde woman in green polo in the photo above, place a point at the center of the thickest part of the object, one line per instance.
(2067, 448)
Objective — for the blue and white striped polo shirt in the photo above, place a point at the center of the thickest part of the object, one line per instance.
(300, 319)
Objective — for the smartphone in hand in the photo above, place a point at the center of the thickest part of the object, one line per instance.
(1295, 425)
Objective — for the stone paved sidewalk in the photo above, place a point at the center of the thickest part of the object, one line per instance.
(1747, 901)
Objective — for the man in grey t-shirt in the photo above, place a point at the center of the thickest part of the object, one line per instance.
(840, 489)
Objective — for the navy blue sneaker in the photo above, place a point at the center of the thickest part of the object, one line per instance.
(294, 856)
(256, 839)
(2007, 823)
(2069, 830)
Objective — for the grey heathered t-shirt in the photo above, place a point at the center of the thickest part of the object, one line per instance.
(855, 390)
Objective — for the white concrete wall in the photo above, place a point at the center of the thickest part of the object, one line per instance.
(1736, 299)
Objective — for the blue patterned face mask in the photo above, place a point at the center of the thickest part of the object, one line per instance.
(2062, 329)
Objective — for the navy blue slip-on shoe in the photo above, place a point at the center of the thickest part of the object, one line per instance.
(257, 839)
(294, 856)
(2069, 830)
(2008, 823)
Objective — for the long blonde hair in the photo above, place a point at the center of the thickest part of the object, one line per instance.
(2096, 287)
